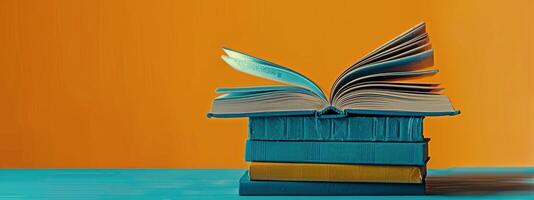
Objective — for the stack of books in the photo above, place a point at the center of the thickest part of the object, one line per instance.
(356, 155)
(366, 138)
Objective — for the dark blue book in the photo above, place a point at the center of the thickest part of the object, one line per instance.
(382, 153)
(350, 128)
(293, 188)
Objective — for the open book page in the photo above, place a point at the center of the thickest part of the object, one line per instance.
(260, 89)
(401, 65)
(266, 99)
(368, 84)
(420, 88)
(394, 100)
(390, 76)
(304, 95)
(410, 34)
(413, 38)
(268, 70)
(262, 92)
(404, 51)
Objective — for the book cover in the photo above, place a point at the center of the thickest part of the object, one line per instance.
(293, 188)
(375, 153)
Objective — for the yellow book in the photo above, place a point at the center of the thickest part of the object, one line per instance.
(336, 172)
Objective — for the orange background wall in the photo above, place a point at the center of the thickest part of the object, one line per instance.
(128, 83)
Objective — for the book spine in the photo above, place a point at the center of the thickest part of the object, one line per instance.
(354, 128)
(386, 153)
(335, 172)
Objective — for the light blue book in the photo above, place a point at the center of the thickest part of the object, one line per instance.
(377, 84)
(293, 188)
(373, 153)
(352, 128)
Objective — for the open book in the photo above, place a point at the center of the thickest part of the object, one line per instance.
(372, 85)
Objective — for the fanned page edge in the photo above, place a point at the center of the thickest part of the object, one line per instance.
(410, 63)
(421, 27)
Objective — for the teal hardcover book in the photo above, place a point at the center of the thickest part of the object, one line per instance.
(374, 153)
(380, 83)
(293, 188)
(350, 128)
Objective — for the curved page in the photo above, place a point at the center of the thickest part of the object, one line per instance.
(264, 69)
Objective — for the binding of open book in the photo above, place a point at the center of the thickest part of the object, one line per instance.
(371, 86)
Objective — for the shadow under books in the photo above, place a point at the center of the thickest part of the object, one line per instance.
(479, 184)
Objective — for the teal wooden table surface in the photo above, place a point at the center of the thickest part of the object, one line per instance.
(456, 183)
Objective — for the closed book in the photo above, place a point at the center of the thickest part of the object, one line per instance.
(381, 153)
(350, 128)
(293, 188)
(335, 172)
